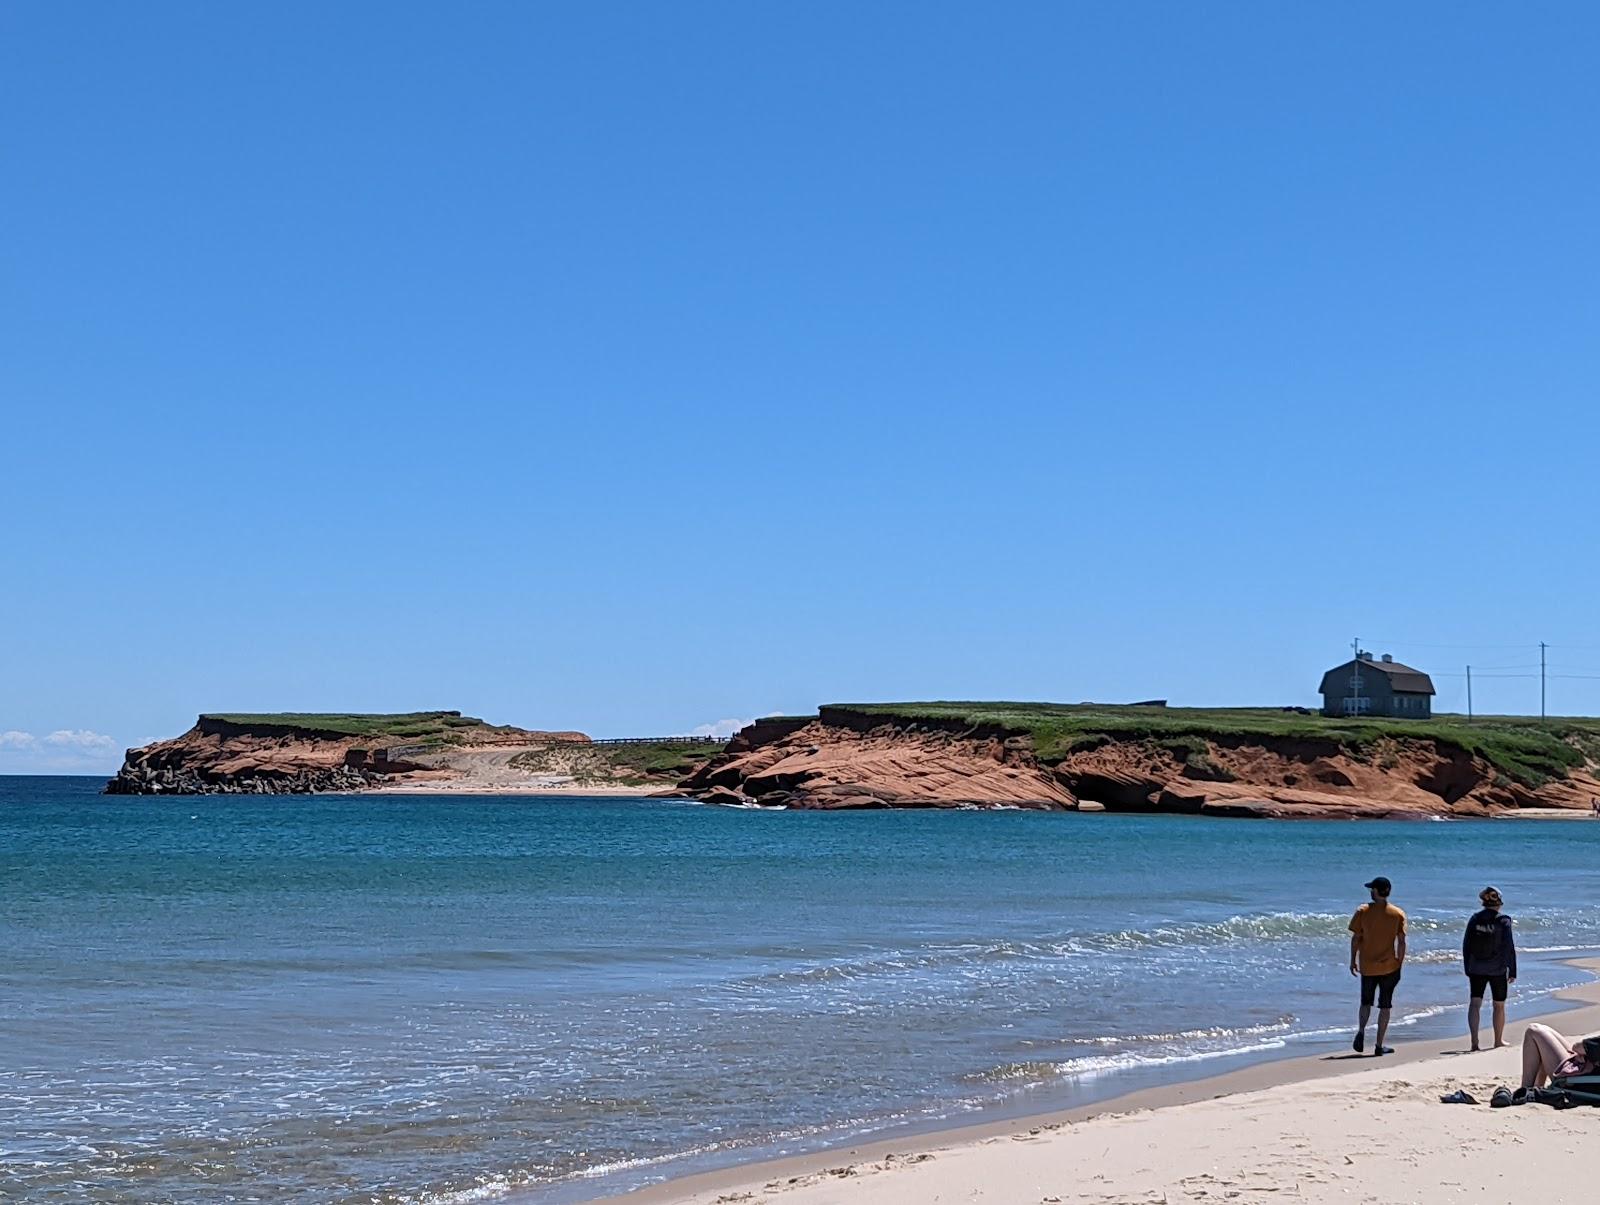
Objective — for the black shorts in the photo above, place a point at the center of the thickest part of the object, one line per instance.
(1380, 985)
(1495, 983)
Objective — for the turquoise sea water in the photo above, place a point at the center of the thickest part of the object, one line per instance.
(436, 999)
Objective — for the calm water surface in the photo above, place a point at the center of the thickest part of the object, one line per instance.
(409, 1000)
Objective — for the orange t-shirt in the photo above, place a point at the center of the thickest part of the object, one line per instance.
(1377, 927)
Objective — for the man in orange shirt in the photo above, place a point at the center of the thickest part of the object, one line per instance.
(1377, 951)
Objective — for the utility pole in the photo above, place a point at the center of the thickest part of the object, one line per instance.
(1355, 677)
(1469, 692)
(1541, 679)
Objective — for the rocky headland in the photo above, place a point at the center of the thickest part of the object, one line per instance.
(299, 754)
(1140, 758)
(1148, 759)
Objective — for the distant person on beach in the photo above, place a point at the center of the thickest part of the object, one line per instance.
(1489, 955)
(1377, 951)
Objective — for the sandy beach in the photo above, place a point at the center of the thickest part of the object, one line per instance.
(493, 770)
(447, 786)
(1548, 814)
(1330, 1128)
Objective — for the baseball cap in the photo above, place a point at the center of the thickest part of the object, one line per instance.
(1380, 884)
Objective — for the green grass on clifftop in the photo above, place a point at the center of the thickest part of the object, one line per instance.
(1525, 749)
(407, 725)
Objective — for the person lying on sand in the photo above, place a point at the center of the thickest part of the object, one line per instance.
(1546, 1053)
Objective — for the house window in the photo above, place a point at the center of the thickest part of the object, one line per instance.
(1361, 706)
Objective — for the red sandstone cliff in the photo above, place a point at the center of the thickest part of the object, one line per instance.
(220, 756)
(855, 761)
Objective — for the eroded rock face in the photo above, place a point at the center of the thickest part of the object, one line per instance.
(208, 762)
(825, 766)
(848, 763)
(144, 780)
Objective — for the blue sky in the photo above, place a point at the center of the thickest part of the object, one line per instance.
(638, 367)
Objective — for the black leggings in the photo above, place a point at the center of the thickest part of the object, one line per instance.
(1381, 986)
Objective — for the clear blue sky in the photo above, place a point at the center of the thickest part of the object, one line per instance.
(636, 367)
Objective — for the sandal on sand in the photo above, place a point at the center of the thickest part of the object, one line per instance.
(1459, 1097)
(1501, 1097)
(1382, 1050)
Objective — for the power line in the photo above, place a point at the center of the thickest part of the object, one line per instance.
(1502, 672)
(1423, 644)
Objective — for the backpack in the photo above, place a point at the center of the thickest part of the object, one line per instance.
(1484, 944)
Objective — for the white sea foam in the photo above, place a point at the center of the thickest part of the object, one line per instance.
(643, 1161)
(1188, 1035)
(1191, 1046)
(490, 1188)
(1090, 1066)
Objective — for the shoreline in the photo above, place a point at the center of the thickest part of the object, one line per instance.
(470, 788)
(982, 1161)
(1546, 814)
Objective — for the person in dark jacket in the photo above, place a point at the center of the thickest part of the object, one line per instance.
(1489, 954)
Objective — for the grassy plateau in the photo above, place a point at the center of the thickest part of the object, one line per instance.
(416, 726)
(1523, 748)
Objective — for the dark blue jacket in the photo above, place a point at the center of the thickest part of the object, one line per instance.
(1488, 947)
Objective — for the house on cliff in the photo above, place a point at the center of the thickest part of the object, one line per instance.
(1377, 687)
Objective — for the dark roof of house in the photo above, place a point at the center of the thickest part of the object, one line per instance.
(1402, 678)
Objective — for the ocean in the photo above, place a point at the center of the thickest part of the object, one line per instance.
(446, 999)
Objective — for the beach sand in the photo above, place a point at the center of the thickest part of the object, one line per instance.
(445, 786)
(1548, 814)
(492, 770)
(1330, 1128)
